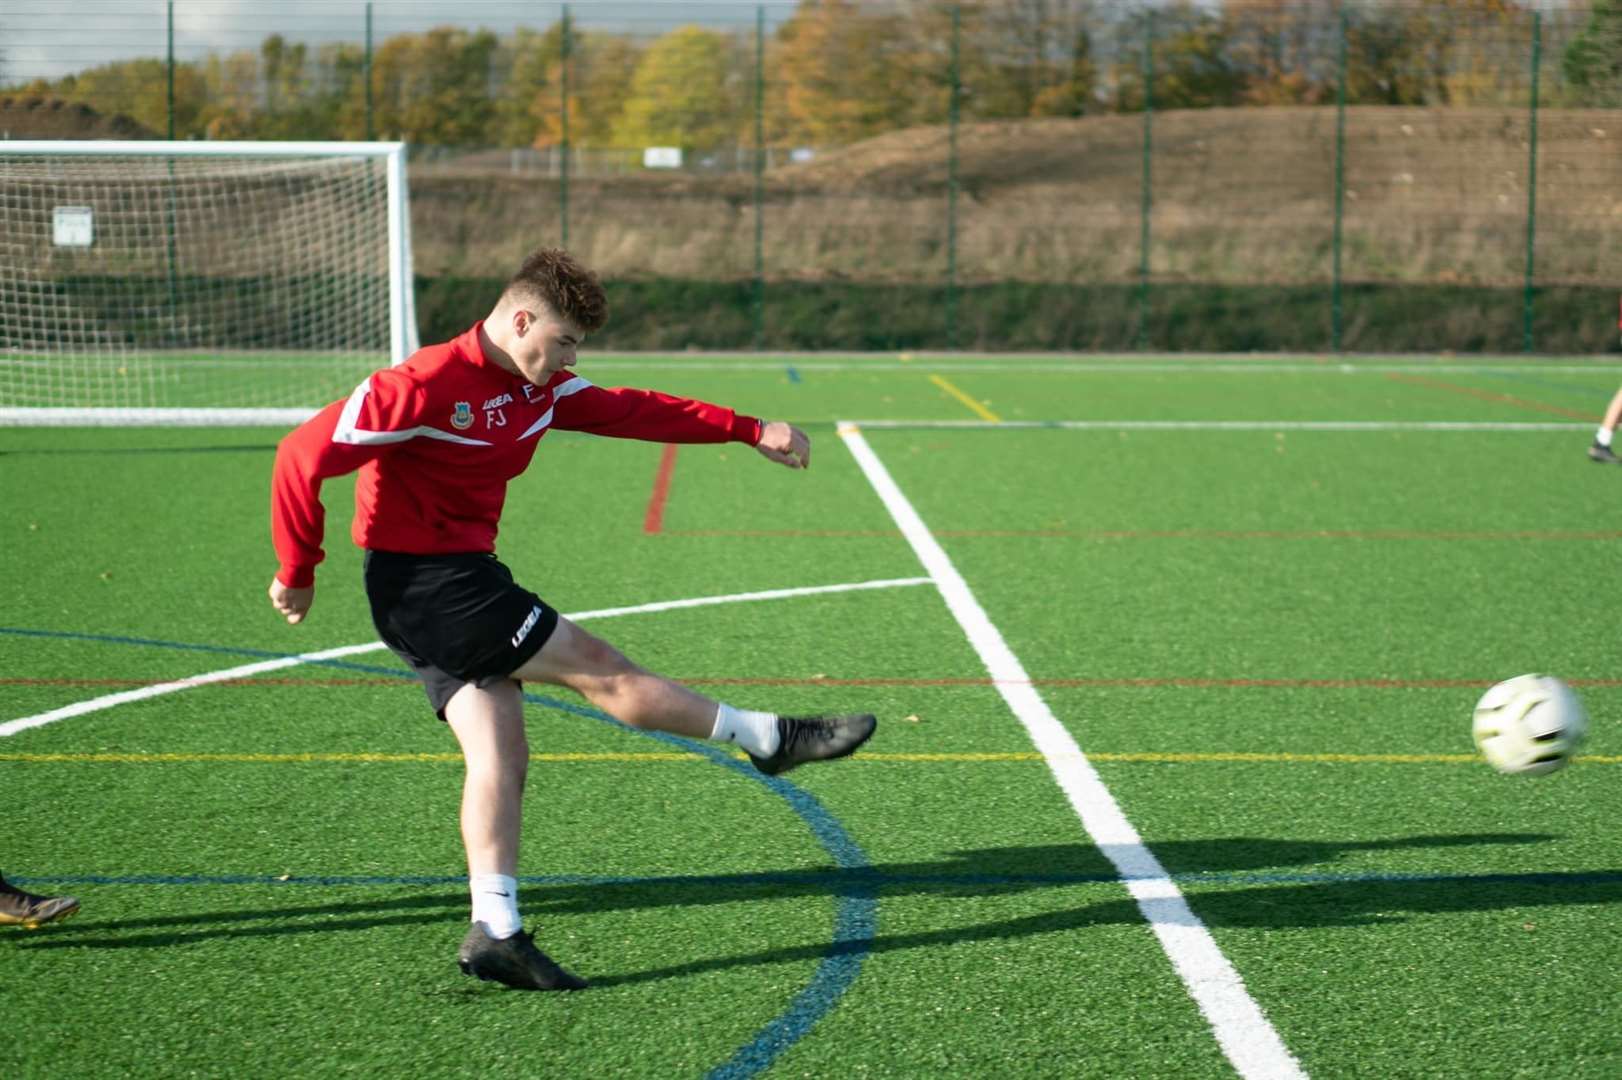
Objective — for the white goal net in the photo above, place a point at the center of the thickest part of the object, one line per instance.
(211, 283)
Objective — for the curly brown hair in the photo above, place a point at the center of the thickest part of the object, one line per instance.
(553, 277)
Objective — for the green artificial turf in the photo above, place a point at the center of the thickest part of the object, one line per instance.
(1247, 629)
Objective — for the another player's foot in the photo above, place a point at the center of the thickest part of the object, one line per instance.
(1596, 452)
(815, 738)
(512, 961)
(18, 908)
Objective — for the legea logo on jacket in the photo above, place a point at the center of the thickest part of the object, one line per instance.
(462, 418)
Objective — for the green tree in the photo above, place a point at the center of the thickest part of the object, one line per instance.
(1438, 52)
(842, 73)
(234, 95)
(530, 59)
(434, 88)
(1075, 94)
(1283, 51)
(1593, 59)
(687, 91)
(138, 89)
(1021, 58)
(1192, 65)
(601, 69)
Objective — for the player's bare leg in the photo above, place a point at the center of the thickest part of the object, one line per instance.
(603, 676)
(489, 724)
(1601, 449)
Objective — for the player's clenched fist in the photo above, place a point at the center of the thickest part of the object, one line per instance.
(785, 444)
(293, 604)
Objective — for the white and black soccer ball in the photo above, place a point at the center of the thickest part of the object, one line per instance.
(1528, 725)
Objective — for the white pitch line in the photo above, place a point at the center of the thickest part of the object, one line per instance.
(1234, 425)
(123, 697)
(1244, 1033)
(107, 701)
(769, 594)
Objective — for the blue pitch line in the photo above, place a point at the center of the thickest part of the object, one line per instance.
(855, 919)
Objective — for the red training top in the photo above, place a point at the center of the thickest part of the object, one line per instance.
(437, 438)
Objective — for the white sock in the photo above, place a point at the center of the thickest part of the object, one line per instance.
(1603, 436)
(756, 732)
(495, 904)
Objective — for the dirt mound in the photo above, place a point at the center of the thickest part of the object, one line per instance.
(1253, 156)
(53, 118)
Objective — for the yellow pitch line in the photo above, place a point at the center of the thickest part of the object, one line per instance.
(979, 410)
(647, 756)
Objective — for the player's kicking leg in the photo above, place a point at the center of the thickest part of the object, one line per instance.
(600, 673)
(19, 908)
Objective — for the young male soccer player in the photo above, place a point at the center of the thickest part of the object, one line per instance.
(436, 439)
(18, 908)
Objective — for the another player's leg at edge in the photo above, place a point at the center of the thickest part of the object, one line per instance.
(489, 724)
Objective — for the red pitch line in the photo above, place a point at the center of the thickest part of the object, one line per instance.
(1489, 395)
(653, 521)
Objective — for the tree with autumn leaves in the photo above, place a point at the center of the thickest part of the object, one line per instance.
(837, 71)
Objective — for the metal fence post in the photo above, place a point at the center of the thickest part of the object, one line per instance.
(563, 142)
(951, 181)
(1532, 184)
(172, 212)
(1340, 192)
(1147, 201)
(169, 68)
(366, 68)
(760, 174)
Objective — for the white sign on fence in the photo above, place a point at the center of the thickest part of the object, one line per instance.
(661, 157)
(73, 226)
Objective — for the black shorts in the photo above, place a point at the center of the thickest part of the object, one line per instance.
(456, 619)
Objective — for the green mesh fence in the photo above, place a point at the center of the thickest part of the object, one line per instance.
(996, 176)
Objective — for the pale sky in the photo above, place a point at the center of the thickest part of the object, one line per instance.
(51, 38)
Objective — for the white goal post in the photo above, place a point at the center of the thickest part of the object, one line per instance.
(200, 283)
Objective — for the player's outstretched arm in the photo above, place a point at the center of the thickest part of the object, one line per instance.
(293, 604)
(785, 444)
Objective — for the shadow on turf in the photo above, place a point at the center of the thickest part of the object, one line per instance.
(1280, 900)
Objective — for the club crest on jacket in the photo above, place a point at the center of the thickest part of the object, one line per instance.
(462, 418)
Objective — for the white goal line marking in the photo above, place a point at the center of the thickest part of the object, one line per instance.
(1061, 365)
(1244, 1033)
(1232, 425)
(108, 701)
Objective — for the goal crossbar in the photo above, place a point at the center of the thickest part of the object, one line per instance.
(147, 209)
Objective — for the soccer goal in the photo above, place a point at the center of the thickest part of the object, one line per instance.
(198, 282)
